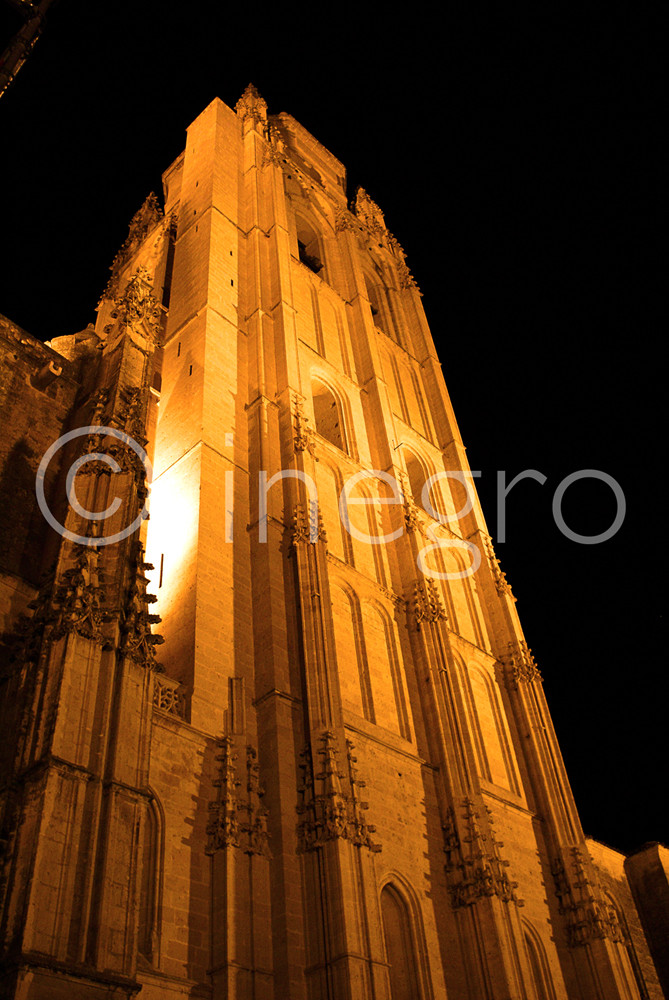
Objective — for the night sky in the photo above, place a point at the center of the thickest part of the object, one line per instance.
(514, 157)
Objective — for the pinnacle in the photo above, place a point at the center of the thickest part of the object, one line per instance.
(251, 106)
(252, 91)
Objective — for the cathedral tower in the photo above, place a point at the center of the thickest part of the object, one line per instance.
(333, 775)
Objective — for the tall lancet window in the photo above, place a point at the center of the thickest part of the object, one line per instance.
(399, 946)
(149, 900)
(327, 415)
(416, 476)
(309, 247)
(380, 306)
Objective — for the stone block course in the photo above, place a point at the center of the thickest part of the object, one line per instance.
(332, 779)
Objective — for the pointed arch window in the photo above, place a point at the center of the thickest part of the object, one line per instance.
(150, 885)
(373, 296)
(438, 503)
(309, 247)
(403, 969)
(629, 946)
(539, 967)
(415, 474)
(380, 305)
(327, 415)
(535, 966)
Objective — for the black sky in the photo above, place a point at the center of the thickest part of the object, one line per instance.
(513, 154)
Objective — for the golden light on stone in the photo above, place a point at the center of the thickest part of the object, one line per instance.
(337, 776)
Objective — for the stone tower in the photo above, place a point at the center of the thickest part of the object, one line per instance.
(336, 778)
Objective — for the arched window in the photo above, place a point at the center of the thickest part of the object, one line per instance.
(380, 305)
(309, 247)
(629, 946)
(327, 415)
(439, 504)
(149, 898)
(541, 976)
(385, 670)
(535, 966)
(416, 476)
(403, 971)
(329, 482)
(374, 302)
(351, 653)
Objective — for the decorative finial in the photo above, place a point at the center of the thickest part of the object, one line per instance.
(252, 110)
(369, 212)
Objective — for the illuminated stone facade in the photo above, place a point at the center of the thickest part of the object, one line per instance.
(335, 776)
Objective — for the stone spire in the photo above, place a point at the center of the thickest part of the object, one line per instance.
(252, 110)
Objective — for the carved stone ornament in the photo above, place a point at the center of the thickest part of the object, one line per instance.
(137, 308)
(99, 400)
(328, 809)
(253, 827)
(588, 915)
(252, 109)
(308, 524)
(127, 460)
(474, 866)
(70, 604)
(451, 842)
(141, 223)
(169, 696)
(360, 829)
(271, 155)
(138, 642)
(406, 278)
(501, 583)
(412, 520)
(238, 818)
(275, 150)
(25, 642)
(303, 436)
(130, 417)
(223, 826)
(427, 605)
(78, 598)
(132, 413)
(520, 665)
(345, 221)
(369, 213)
